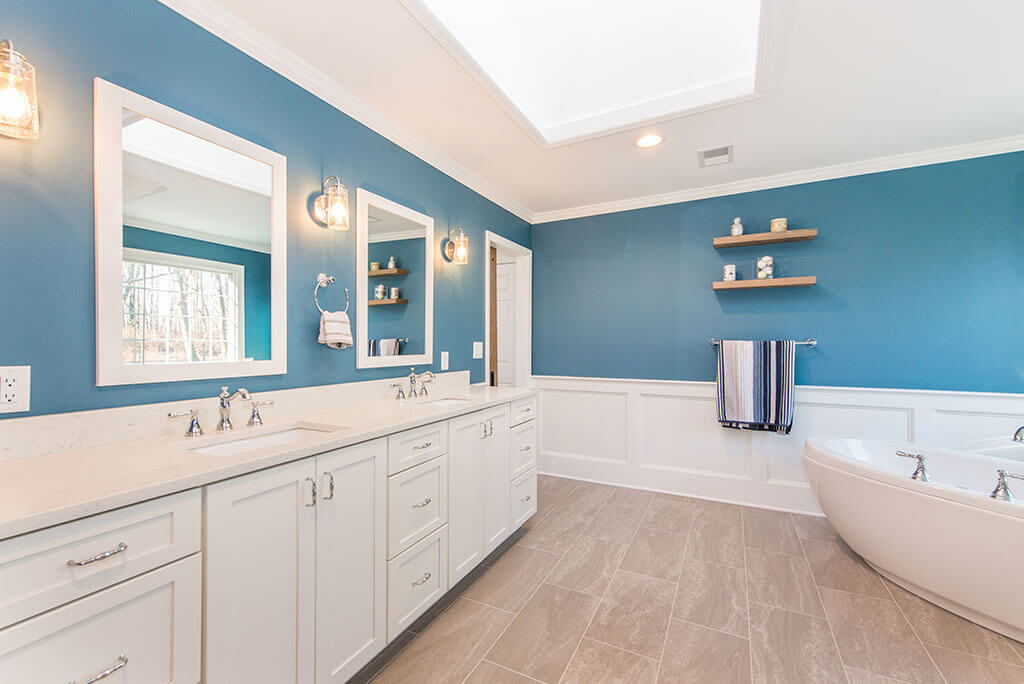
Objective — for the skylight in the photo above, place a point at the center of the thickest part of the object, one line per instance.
(574, 69)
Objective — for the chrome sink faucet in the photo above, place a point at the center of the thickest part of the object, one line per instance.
(423, 378)
(224, 424)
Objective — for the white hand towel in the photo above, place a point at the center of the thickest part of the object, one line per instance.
(335, 330)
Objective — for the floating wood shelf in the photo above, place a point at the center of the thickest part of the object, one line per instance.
(798, 281)
(766, 238)
(382, 272)
(386, 302)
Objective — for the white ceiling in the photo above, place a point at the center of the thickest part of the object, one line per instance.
(847, 87)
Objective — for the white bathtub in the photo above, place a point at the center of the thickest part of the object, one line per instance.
(947, 541)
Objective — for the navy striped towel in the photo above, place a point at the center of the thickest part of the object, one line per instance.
(755, 384)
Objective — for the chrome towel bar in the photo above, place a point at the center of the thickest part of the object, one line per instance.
(809, 342)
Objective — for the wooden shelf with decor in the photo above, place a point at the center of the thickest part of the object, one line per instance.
(797, 281)
(797, 235)
(384, 272)
(386, 302)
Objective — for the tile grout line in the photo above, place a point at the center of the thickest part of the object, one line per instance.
(821, 601)
(675, 595)
(746, 590)
(506, 669)
(912, 628)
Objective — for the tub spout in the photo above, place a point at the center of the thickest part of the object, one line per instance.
(920, 473)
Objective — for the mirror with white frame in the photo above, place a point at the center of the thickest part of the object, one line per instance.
(190, 247)
(394, 283)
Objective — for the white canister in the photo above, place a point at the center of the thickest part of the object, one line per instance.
(396, 293)
(379, 291)
(737, 227)
(729, 272)
(392, 262)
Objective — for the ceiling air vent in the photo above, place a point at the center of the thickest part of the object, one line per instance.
(715, 156)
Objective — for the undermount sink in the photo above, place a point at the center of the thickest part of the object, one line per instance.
(447, 402)
(251, 439)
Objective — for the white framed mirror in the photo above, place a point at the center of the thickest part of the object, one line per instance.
(394, 283)
(191, 267)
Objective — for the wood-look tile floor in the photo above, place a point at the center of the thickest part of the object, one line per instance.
(618, 585)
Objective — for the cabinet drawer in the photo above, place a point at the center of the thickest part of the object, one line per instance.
(416, 579)
(524, 448)
(417, 503)
(151, 624)
(416, 446)
(524, 410)
(35, 574)
(524, 498)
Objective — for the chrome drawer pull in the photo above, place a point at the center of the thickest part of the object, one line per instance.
(121, 548)
(312, 498)
(421, 504)
(421, 580)
(525, 448)
(122, 661)
(526, 498)
(330, 487)
(425, 445)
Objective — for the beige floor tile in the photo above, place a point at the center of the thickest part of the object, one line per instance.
(714, 541)
(836, 566)
(938, 626)
(450, 648)
(1017, 646)
(587, 498)
(542, 638)
(556, 532)
(792, 648)
(554, 487)
(634, 613)
(698, 654)
(631, 498)
(774, 533)
(723, 513)
(814, 527)
(963, 668)
(489, 673)
(713, 596)
(614, 524)
(873, 635)
(588, 565)
(672, 513)
(855, 676)
(784, 581)
(596, 663)
(513, 579)
(657, 553)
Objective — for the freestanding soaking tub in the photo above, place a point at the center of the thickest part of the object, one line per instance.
(946, 540)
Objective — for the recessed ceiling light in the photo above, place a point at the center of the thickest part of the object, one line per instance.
(649, 140)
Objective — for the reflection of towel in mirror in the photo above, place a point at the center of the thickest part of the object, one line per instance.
(335, 330)
(388, 346)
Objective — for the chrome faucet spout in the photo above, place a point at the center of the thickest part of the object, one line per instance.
(224, 424)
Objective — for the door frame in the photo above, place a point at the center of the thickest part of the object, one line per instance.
(523, 259)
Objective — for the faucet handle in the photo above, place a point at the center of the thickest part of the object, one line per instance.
(194, 429)
(255, 418)
(920, 474)
(401, 390)
(1002, 490)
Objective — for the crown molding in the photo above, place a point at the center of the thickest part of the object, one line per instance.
(210, 16)
(876, 165)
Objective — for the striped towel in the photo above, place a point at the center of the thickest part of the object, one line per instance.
(386, 346)
(755, 384)
(335, 330)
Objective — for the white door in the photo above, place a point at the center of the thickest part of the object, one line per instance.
(506, 324)
(465, 495)
(351, 562)
(260, 572)
(496, 461)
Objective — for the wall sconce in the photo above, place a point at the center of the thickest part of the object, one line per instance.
(331, 208)
(456, 247)
(19, 108)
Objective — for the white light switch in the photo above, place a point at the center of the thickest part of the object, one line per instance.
(478, 350)
(444, 360)
(15, 382)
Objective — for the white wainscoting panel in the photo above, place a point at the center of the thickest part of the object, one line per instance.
(664, 435)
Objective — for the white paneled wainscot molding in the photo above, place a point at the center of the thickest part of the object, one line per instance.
(664, 435)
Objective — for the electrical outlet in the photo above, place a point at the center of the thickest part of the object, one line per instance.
(444, 360)
(15, 383)
(478, 350)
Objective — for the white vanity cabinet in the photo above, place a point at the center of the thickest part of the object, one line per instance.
(281, 542)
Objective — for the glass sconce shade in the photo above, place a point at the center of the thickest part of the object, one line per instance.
(19, 107)
(456, 248)
(331, 208)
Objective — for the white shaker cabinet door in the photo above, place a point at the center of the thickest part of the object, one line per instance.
(351, 559)
(465, 495)
(260, 572)
(496, 457)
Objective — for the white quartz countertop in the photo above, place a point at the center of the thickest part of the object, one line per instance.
(41, 491)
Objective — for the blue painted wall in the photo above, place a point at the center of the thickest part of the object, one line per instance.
(46, 197)
(400, 320)
(920, 282)
(257, 277)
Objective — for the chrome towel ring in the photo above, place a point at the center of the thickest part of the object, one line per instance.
(322, 280)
